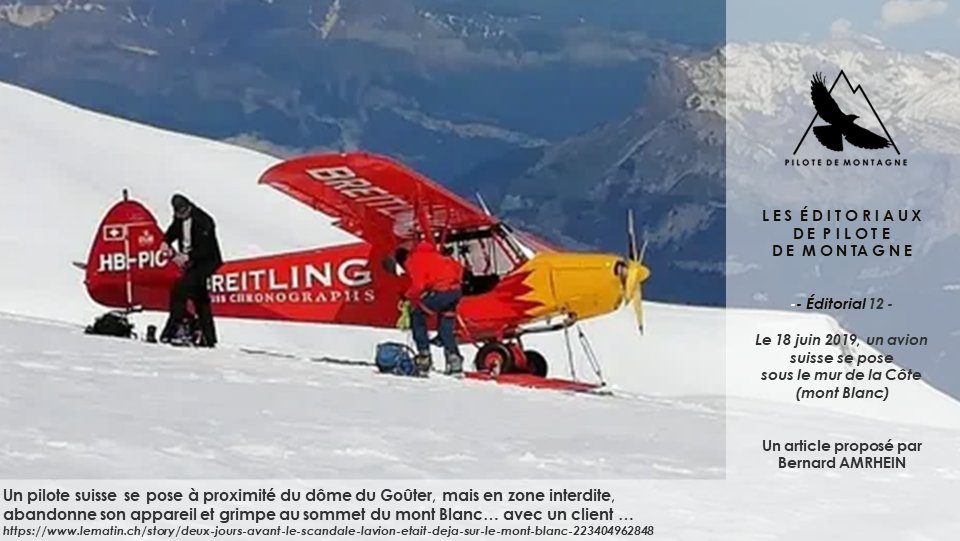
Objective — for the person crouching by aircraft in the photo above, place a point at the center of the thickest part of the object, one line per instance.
(435, 288)
(198, 257)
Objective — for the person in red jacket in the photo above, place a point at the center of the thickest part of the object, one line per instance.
(435, 288)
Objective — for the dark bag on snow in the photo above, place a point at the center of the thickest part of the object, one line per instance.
(112, 324)
(395, 358)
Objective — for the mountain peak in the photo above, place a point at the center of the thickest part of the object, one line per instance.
(913, 92)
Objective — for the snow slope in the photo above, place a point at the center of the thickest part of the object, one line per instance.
(62, 167)
(87, 408)
(158, 412)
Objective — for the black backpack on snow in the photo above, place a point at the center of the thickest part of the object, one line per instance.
(112, 324)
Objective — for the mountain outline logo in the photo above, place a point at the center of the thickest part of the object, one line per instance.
(841, 126)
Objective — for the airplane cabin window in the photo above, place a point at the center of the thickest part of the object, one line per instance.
(486, 256)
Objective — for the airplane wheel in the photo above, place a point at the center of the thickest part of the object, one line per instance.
(536, 363)
(491, 354)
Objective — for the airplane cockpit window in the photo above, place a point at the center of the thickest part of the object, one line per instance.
(486, 255)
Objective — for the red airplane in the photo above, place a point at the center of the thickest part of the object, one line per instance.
(515, 284)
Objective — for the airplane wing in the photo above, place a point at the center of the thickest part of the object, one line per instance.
(373, 197)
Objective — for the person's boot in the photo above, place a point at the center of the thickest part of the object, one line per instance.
(454, 365)
(423, 362)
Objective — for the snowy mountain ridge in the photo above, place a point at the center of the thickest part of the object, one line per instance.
(913, 92)
(31, 15)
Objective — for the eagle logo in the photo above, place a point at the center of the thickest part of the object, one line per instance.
(839, 125)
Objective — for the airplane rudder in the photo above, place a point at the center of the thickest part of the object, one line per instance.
(125, 256)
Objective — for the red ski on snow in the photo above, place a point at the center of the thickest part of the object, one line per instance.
(535, 382)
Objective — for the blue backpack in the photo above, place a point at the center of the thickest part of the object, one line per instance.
(395, 358)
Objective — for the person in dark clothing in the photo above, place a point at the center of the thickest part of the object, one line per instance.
(435, 288)
(198, 256)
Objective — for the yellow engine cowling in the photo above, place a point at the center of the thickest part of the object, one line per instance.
(585, 285)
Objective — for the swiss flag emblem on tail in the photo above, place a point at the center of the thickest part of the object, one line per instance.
(114, 233)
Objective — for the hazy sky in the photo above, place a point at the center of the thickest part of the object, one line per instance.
(909, 25)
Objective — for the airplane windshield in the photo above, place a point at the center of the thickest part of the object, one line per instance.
(486, 254)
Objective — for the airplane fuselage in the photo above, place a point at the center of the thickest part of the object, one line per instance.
(345, 284)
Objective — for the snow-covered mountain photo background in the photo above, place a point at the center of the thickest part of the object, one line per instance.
(563, 114)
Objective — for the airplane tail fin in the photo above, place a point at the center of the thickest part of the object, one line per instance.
(830, 136)
(126, 267)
